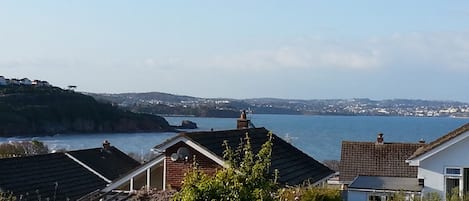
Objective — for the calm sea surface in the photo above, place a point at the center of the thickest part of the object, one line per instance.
(318, 136)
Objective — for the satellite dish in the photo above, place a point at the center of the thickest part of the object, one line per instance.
(174, 157)
(183, 153)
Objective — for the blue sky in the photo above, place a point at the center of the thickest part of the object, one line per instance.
(242, 49)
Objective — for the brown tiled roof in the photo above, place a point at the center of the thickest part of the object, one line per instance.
(372, 159)
(440, 141)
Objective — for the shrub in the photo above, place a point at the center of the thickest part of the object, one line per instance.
(246, 178)
(7, 197)
(309, 193)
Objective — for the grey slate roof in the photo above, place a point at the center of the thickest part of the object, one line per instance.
(293, 165)
(372, 159)
(440, 141)
(386, 183)
(57, 174)
(111, 163)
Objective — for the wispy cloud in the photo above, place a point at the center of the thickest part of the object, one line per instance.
(163, 63)
(412, 50)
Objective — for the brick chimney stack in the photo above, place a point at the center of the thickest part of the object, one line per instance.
(242, 122)
(380, 139)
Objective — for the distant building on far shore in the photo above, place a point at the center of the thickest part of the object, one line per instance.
(25, 81)
(3, 81)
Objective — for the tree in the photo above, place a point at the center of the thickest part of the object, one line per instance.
(246, 178)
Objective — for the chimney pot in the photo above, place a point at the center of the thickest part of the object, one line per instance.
(243, 115)
(242, 122)
(106, 144)
(380, 139)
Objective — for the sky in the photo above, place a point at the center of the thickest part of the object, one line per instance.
(242, 49)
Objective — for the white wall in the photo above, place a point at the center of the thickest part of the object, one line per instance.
(357, 196)
(432, 169)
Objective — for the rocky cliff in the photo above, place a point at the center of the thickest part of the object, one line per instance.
(31, 110)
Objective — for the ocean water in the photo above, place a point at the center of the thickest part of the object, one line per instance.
(318, 136)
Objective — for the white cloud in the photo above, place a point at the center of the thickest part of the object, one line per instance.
(163, 63)
(412, 50)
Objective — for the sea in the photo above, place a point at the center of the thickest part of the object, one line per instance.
(317, 136)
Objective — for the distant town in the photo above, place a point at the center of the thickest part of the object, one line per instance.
(170, 104)
(147, 102)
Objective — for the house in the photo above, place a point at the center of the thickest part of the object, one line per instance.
(36, 82)
(176, 156)
(372, 170)
(40, 83)
(25, 81)
(63, 176)
(443, 164)
(14, 81)
(3, 81)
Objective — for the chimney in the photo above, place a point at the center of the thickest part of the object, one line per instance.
(242, 122)
(106, 145)
(380, 139)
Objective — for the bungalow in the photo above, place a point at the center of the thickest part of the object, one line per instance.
(376, 170)
(176, 157)
(443, 164)
(63, 176)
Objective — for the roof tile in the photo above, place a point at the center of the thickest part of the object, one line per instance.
(372, 159)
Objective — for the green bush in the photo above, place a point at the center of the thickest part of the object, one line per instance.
(7, 197)
(309, 193)
(245, 179)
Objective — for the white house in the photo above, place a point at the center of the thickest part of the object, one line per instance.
(25, 81)
(444, 163)
(40, 83)
(3, 81)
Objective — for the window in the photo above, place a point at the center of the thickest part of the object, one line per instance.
(452, 186)
(374, 198)
(453, 171)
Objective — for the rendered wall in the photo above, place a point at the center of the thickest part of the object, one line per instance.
(432, 169)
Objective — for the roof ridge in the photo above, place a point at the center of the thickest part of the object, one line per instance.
(441, 140)
(88, 168)
(389, 143)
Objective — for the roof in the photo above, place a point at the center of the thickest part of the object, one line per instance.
(60, 175)
(445, 138)
(294, 166)
(386, 183)
(372, 159)
(111, 163)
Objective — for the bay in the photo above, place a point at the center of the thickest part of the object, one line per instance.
(317, 136)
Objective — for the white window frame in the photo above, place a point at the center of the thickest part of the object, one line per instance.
(453, 175)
